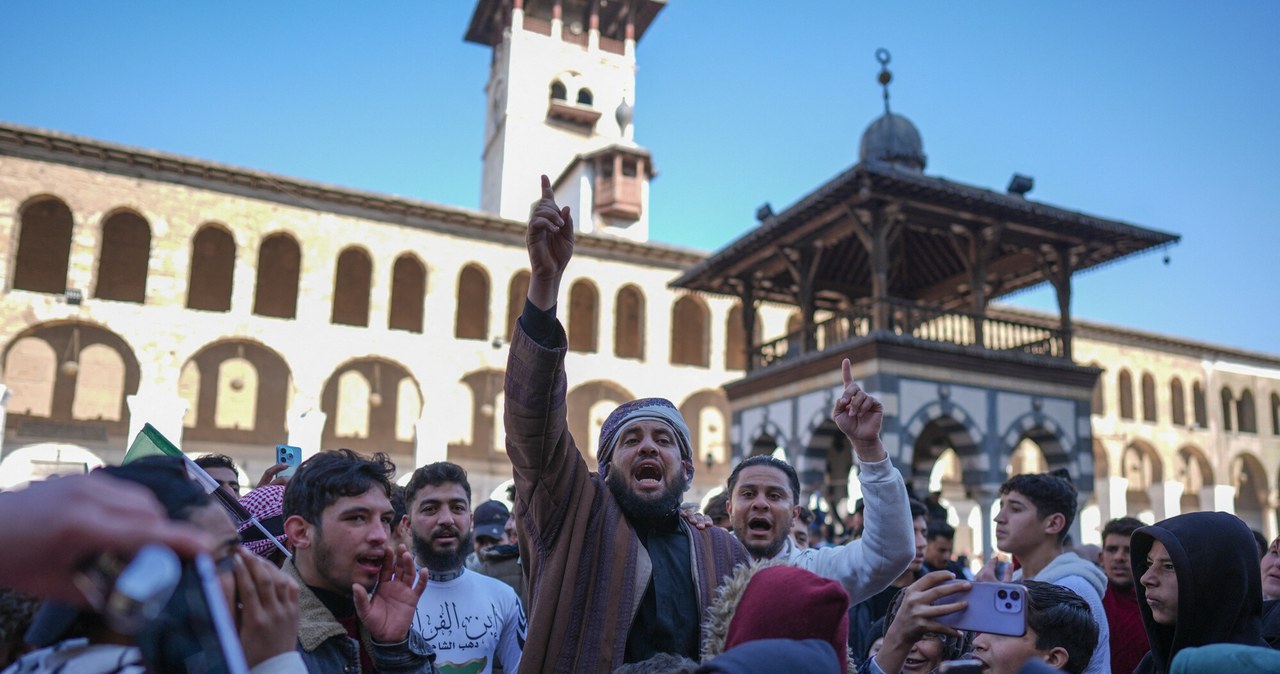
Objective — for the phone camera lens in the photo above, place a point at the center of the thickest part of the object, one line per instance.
(1002, 594)
(1008, 605)
(1014, 595)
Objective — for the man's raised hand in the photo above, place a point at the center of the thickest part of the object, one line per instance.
(550, 243)
(859, 417)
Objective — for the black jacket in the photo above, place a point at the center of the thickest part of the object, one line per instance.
(1219, 585)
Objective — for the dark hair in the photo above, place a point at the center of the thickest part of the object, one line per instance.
(918, 509)
(1121, 526)
(398, 506)
(1051, 494)
(434, 475)
(1262, 543)
(767, 460)
(330, 475)
(716, 506)
(217, 461)
(940, 529)
(166, 478)
(1061, 618)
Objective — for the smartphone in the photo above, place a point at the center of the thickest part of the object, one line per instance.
(966, 666)
(994, 608)
(194, 633)
(288, 454)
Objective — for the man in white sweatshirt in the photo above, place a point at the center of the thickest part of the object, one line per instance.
(1036, 512)
(764, 495)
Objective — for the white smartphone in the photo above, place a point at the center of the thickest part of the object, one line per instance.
(994, 608)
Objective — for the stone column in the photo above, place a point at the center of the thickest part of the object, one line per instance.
(986, 497)
(5, 394)
(164, 412)
(1221, 497)
(1110, 492)
(1166, 499)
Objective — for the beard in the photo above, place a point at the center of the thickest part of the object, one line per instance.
(641, 509)
(445, 560)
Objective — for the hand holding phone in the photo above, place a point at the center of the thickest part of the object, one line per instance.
(290, 456)
(994, 608)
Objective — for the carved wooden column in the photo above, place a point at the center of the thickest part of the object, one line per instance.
(976, 249)
(1057, 263)
(876, 235)
(803, 263)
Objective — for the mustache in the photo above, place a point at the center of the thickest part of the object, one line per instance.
(446, 530)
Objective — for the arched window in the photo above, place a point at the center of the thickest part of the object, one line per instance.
(99, 392)
(585, 97)
(472, 321)
(1177, 404)
(279, 264)
(213, 264)
(517, 293)
(1246, 413)
(1099, 402)
(351, 285)
(1275, 413)
(1228, 407)
(1199, 406)
(1148, 397)
(690, 332)
(189, 392)
(583, 300)
(44, 245)
(408, 409)
(735, 342)
(122, 265)
(558, 91)
(628, 324)
(408, 289)
(1126, 394)
(29, 372)
(351, 419)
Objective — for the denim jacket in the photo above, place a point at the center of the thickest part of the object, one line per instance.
(326, 647)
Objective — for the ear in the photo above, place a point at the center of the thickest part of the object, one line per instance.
(795, 512)
(404, 522)
(1057, 657)
(299, 531)
(1054, 524)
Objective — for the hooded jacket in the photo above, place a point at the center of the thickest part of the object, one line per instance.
(1088, 580)
(1215, 561)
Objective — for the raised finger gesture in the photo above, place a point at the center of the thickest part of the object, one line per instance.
(549, 239)
(388, 613)
(859, 416)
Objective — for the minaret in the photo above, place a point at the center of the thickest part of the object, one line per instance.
(560, 101)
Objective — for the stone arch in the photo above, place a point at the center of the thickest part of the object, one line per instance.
(1246, 412)
(212, 272)
(124, 257)
(44, 245)
(736, 342)
(1051, 438)
(824, 464)
(1124, 382)
(933, 428)
(365, 394)
(584, 316)
(690, 332)
(95, 372)
(1195, 473)
(764, 439)
(1249, 478)
(708, 434)
(1141, 466)
(517, 293)
(408, 291)
(1148, 398)
(486, 392)
(472, 318)
(264, 396)
(628, 324)
(44, 460)
(279, 268)
(1177, 402)
(580, 404)
(352, 283)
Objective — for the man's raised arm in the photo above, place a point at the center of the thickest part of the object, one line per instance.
(550, 243)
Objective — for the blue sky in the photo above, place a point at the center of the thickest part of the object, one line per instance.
(1161, 114)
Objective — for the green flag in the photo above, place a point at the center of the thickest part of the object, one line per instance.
(150, 442)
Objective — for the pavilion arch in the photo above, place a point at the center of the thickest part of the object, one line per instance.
(706, 412)
(371, 404)
(43, 245)
(690, 332)
(279, 268)
(1141, 466)
(767, 438)
(486, 388)
(938, 432)
(588, 405)
(1195, 473)
(352, 283)
(237, 390)
(628, 323)
(408, 292)
(213, 268)
(517, 293)
(1249, 478)
(584, 317)
(826, 462)
(70, 372)
(124, 257)
(472, 318)
(1049, 437)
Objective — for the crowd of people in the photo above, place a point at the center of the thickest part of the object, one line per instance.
(137, 568)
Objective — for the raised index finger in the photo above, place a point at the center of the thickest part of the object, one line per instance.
(546, 189)
(846, 369)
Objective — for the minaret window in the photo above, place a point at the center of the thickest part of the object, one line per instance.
(584, 97)
(558, 92)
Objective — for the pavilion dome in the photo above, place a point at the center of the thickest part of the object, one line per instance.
(893, 139)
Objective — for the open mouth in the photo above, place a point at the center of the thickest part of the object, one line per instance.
(913, 663)
(648, 473)
(371, 562)
(759, 525)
